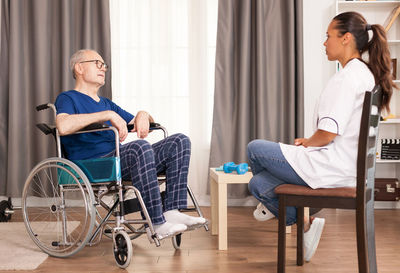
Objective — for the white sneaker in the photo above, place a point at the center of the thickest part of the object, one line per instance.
(168, 229)
(312, 237)
(176, 217)
(261, 213)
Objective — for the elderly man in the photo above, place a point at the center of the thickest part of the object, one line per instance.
(140, 161)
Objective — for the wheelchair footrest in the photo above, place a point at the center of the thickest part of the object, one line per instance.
(198, 226)
(187, 209)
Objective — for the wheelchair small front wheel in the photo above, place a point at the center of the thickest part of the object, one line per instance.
(122, 249)
(176, 241)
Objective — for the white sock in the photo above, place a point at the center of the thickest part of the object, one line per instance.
(168, 229)
(176, 217)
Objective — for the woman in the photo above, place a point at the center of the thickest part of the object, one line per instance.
(328, 158)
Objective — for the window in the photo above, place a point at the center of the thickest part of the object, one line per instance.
(163, 58)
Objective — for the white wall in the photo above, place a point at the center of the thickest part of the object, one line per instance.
(317, 69)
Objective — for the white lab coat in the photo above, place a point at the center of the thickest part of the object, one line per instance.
(338, 110)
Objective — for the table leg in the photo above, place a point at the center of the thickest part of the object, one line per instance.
(214, 206)
(222, 217)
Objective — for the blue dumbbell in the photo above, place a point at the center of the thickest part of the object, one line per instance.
(241, 168)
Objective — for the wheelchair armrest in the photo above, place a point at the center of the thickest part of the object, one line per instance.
(101, 126)
(46, 129)
(51, 129)
(153, 126)
(94, 127)
(97, 126)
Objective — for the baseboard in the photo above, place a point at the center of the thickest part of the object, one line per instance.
(387, 205)
(248, 201)
(16, 202)
(205, 200)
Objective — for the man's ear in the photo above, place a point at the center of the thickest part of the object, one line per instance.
(78, 69)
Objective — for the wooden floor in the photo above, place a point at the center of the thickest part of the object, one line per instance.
(252, 247)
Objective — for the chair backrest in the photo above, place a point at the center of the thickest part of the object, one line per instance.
(367, 144)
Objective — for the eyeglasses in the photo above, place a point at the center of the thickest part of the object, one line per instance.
(98, 63)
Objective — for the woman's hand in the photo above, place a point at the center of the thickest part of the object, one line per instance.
(318, 139)
(300, 141)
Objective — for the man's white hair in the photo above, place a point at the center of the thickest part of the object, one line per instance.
(77, 57)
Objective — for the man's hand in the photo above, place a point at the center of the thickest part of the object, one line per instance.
(68, 124)
(142, 124)
(120, 124)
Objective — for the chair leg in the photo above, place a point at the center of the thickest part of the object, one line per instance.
(300, 236)
(371, 237)
(281, 234)
(361, 240)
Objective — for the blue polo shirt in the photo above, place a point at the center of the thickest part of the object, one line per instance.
(88, 145)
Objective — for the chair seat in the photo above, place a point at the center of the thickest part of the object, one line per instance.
(345, 192)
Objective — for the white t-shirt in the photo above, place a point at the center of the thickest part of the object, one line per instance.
(338, 111)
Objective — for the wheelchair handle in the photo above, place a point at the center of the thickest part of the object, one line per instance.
(42, 107)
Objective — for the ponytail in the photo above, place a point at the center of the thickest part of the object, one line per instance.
(378, 49)
(380, 63)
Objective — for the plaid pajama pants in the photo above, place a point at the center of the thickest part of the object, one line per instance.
(140, 163)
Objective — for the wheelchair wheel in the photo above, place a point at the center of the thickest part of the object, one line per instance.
(58, 207)
(176, 241)
(122, 249)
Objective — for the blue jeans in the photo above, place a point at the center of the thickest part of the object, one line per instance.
(270, 169)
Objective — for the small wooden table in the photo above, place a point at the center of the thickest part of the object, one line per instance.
(218, 184)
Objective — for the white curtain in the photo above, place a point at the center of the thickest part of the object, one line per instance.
(163, 58)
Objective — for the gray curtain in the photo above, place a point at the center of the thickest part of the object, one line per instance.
(258, 78)
(37, 39)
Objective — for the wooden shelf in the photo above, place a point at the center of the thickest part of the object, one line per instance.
(391, 121)
(354, 4)
(387, 161)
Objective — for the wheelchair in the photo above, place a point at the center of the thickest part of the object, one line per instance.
(67, 205)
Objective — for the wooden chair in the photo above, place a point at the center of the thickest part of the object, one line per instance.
(360, 198)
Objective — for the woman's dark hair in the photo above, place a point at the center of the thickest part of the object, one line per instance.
(378, 50)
